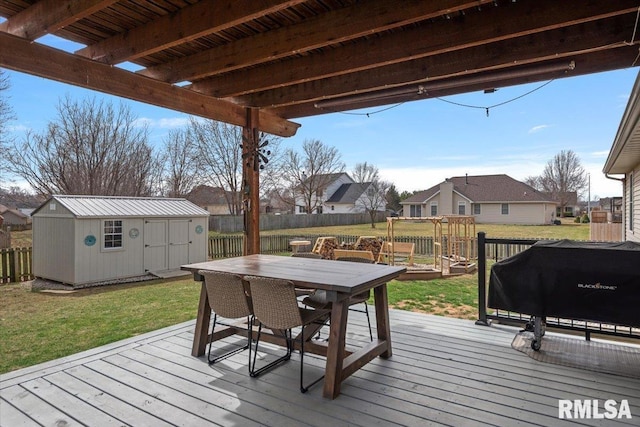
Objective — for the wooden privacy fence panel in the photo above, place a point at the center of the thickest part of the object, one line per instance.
(16, 265)
(605, 232)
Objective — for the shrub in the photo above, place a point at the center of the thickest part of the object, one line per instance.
(577, 220)
(585, 219)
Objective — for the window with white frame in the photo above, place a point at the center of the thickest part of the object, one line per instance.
(505, 209)
(434, 208)
(462, 208)
(112, 234)
(476, 209)
(416, 210)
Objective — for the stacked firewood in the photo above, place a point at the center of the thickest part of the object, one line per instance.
(373, 244)
(325, 246)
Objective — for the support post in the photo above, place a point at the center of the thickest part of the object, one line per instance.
(482, 281)
(251, 183)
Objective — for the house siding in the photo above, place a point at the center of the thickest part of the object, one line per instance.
(53, 242)
(632, 234)
(519, 213)
(95, 263)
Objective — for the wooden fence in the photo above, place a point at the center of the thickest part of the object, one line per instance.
(16, 265)
(234, 224)
(5, 239)
(605, 232)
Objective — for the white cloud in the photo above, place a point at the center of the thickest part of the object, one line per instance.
(537, 129)
(164, 123)
(600, 154)
(173, 122)
(18, 128)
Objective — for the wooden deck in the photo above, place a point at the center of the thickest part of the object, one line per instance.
(443, 372)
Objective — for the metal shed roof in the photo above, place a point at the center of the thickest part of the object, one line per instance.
(114, 206)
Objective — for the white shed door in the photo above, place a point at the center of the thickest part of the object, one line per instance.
(178, 243)
(156, 242)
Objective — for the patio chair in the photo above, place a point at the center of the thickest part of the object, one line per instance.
(228, 298)
(318, 299)
(276, 307)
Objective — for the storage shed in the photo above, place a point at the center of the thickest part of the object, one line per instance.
(80, 240)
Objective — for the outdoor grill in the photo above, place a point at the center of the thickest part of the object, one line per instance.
(572, 280)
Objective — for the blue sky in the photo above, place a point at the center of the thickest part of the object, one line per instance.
(417, 145)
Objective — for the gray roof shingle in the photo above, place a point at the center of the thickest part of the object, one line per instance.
(484, 189)
(348, 193)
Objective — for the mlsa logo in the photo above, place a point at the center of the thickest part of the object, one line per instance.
(593, 409)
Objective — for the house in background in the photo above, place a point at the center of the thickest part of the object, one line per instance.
(88, 240)
(338, 193)
(624, 161)
(212, 199)
(13, 216)
(325, 185)
(613, 207)
(497, 199)
(572, 206)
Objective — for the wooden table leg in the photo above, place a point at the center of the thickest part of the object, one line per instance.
(335, 350)
(382, 317)
(201, 333)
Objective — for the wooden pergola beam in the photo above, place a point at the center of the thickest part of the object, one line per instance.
(586, 63)
(520, 51)
(33, 58)
(49, 16)
(330, 28)
(187, 24)
(434, 39)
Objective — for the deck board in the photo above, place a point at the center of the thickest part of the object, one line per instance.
(444, 371)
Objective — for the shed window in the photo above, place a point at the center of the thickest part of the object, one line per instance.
(476, 209)
(112, 236)
(505, 209)
(434, 208)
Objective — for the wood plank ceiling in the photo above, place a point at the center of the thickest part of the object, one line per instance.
(298, 58)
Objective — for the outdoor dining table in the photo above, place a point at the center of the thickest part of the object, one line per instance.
(339, 279)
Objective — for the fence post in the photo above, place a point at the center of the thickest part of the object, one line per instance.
(12, 266)
(482, 281)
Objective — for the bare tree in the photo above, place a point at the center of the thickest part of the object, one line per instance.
(179, 156)
(563, 175)
(308, 173)
(533, 181)
(91, 148)
(374, 196)
(6, 115)
(219, 158)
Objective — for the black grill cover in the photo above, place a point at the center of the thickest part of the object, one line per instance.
(575, 280)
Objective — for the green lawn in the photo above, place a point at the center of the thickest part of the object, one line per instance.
(568, 230)
(40, 326)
